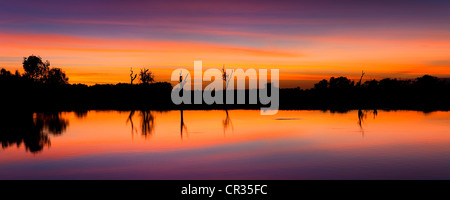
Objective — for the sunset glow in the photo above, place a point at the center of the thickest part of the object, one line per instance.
(98, 42)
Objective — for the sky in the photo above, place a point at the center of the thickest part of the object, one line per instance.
(98, 41)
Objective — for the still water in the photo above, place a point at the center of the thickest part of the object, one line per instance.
(219, 144)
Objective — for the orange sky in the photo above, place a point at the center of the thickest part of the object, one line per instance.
(307, 41)
(97, 60)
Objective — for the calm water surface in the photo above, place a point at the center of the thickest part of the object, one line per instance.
(234, 144)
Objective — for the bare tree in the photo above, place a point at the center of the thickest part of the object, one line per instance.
(359, 83)
(131, 76)
(226, 77)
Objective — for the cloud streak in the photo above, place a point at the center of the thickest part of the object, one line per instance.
(306, 39)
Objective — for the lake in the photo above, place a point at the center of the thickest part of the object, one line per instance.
(219, 144)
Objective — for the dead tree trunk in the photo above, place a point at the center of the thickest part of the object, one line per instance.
(131, 76)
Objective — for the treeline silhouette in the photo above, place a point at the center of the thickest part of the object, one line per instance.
(42, 88)
(423, 93)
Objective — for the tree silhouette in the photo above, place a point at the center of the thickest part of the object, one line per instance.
(388, 83)
(360, 79)
(226, 77)
(131, 76)
(371, 84)
(38, 70)
(9, 79)
(341, 82)
(34, 67)
(146, 77)
(56, 76)
(428, 81)
(3, 72)
(335, 83)
(321, 84)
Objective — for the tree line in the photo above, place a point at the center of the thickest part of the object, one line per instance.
(42, 87)
(423, 82)
(38, 71)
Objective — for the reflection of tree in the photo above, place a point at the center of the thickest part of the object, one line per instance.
(147, 122)
(362, 115)
(130, 119)
(80, 114)
(32, 131)
(227, 123)
(226, 78)
(182, 125)
(52, 122)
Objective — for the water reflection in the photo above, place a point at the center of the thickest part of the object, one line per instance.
(227, 123)
(147, 123)
(291, 145)
(130, 119)
(81, 114)
(362, 116)
(31, 130)
(51, 122)
(147, 120)
(182, 125)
